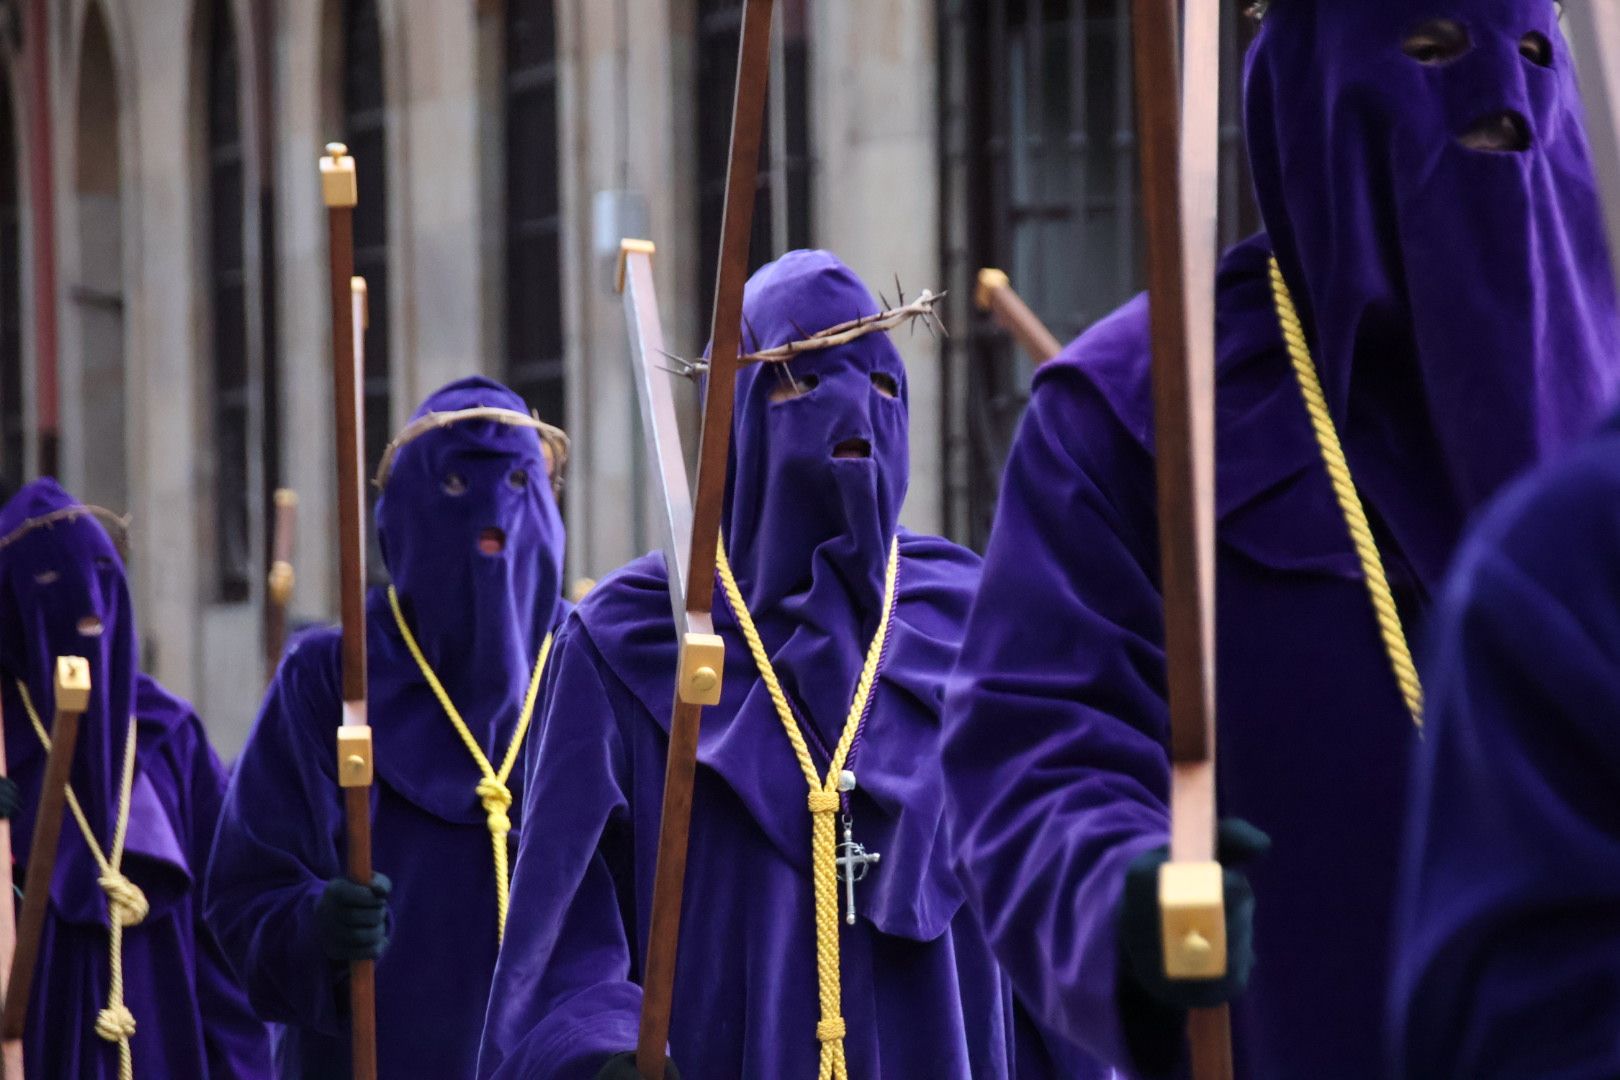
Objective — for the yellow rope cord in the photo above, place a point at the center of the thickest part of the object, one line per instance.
(126, 904)
(492, 791)
(824, 801)
(1344, 489)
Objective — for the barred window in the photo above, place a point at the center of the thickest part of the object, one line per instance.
(534, 328)
(782, 208)
(227, 284)
(1041, 180)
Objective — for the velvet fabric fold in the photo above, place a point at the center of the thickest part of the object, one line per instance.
(817, 474)
(1460, 307)
(474, 545)
(191, 1014)
(1507, 948)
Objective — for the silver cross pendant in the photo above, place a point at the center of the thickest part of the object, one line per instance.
(854, 863)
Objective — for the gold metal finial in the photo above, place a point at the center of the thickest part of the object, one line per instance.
(702, 659)
(357, 287)
(990, 279)
(338, 185)
(354, 755)
(628, 247)
(72, 684)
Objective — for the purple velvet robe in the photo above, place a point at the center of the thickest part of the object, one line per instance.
(192, 1017)
(1508, 946)
(1460, 309)
(480, 619)
(808, 533)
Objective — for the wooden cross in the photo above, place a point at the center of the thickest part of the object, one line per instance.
(11, 1053)
(72, 698)
(854, 863)
(1177, 97)
(339, 192)
(691, 516)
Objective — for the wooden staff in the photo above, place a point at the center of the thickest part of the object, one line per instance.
(993, 293)
(279, 590)
(72, 698)
(338, 189)
(692, 550)
(1179, 173)
(11, 1050)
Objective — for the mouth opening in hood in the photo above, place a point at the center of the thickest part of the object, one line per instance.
(853, 449)
(492, 541)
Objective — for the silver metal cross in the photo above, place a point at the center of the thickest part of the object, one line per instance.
(854, 863)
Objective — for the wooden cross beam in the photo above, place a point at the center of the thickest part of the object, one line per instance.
(994, 294)
(11, 1050)
(691, 514)
(72, 698)
(354, 762)
(1177, 97)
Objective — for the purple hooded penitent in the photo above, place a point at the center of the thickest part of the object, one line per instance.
(1460, 307)
(474, 545)
(1507, 944)
(63, 593)
(818, 472)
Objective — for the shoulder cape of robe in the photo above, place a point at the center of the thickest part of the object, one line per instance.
(1056, 768)
(921, 994)
(192, 1016)
(1509, 947)
(281, 839)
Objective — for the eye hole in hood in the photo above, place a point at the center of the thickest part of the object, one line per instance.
(1437, 42)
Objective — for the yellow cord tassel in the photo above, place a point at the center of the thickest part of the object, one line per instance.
(824, 801)
(492, 792)
(1344, 489)
(126, 904)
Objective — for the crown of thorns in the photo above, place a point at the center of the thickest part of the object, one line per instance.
(72, 513)
(833, 336)
(554, 440)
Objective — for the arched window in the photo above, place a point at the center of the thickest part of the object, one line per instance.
(227, 295)
(782, 208)
(365, 129)
(96, 284)
(1039, 132)
(12, 427)
(534, 337)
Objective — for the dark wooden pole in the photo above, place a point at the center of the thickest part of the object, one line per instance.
(11, 1050)
(994, 295)
(72, 698)
(736, 229)
(1177, 95)
(338, 188)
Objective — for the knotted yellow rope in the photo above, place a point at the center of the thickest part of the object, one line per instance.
(824, 801)
(492, 792)
(1344, 489)
(126, 904)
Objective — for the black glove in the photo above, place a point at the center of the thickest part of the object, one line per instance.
(352, 920)
(623, 1067)
(10, 797)
(1153, 1006)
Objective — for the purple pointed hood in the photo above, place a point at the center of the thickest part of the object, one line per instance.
(1459, 300)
